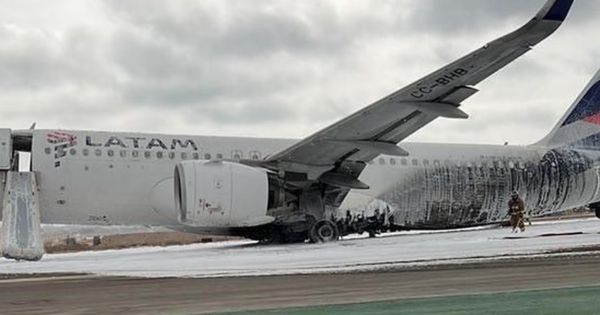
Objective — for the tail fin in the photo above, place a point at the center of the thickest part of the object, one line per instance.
(580, 126)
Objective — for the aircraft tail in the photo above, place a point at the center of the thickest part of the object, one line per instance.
(580, 126)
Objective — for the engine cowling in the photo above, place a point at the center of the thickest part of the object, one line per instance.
(221, 194)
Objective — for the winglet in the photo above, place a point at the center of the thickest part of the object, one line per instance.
(556, 10)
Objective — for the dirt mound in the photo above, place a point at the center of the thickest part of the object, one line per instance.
(119, 241)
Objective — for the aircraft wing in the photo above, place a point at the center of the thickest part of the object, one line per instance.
(336, 154)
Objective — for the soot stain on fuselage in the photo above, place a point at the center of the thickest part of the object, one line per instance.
(476, 192)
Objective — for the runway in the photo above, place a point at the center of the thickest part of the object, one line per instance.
(243, 276)
(113, 295)
(393, 251)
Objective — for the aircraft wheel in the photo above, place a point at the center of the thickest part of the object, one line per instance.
(324, 231)
(596, 208)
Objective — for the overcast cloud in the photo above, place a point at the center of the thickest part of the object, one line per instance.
(277, 68)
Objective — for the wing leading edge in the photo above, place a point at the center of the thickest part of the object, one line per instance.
(335, 154)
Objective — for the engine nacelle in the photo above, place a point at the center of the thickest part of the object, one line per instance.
(221, 194)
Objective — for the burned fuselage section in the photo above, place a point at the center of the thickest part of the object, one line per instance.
(436, 190)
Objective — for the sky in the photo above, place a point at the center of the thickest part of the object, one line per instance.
(281, 69)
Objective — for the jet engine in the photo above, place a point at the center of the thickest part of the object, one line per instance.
(221, 194)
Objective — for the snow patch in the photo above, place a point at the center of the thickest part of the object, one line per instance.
(244, 258)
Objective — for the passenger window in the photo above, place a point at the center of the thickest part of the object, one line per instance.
(255, 155)
(184, 155)
(147, 154)
(159, 155)
(392, 161)
(98, 152)
(219, 156)
(135, 154)
(73, 151)
(207, 156)
(196, 156)
(123, 153)
(415, 162)
(48, 150)
(171, 155)
(110, 153)
(237, 155)
(85, 152)
(426, 162)
(381, 161)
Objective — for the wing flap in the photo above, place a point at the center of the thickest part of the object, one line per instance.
(440, 109)
(343, 181)
(459, 94)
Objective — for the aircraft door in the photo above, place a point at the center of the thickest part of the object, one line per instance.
(5, 149)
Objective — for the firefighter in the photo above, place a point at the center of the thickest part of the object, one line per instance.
(516, 208)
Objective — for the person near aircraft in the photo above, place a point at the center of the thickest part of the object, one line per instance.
(516, 208)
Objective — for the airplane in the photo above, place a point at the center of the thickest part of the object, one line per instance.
(286, 189)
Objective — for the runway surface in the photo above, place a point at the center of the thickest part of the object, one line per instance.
(110, 295)
(243, 276)
(243, 258)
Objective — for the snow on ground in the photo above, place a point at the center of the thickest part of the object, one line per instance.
(239, 258)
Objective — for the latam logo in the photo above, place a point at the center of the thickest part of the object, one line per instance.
(57, 137)
(141, 143)
(61, 142)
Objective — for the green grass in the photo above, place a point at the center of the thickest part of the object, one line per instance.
(559, 302)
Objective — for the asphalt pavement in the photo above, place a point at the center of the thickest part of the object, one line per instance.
(93, 294)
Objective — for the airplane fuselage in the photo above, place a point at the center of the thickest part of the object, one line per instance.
(88, 177)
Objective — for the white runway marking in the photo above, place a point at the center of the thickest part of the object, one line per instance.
(239, 258)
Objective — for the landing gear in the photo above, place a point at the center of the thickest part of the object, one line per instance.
(596, 208)
(324, 231)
